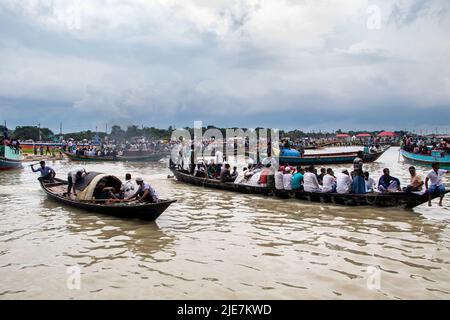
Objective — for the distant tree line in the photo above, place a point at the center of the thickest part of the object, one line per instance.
(117, 133)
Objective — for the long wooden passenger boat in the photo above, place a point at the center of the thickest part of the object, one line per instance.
(10, 158)
(146, 211)
(130, 156)
(328, 158)
(395, 199)
(426, 160)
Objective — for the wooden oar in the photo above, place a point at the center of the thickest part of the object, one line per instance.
(34, 164)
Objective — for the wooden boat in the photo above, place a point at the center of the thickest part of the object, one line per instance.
(395, 199)
(426, 160)
(328, 158)
(77, 157)
(10, 158)
(146, 211)
(128, 156)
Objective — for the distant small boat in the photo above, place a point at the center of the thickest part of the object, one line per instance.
(10, 158)
(127, 156)
(287, 157)
(426, 160)
(392, 199)
(145, 211)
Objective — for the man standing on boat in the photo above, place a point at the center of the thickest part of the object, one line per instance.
(73, 177)
(358, 184)
(47, 173)
(435, 177)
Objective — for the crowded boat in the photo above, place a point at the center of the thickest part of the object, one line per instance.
(355, 181)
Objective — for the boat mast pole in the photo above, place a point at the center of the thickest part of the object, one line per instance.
(4, 140)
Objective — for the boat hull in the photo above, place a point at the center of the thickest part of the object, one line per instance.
(144, 211)
(9, 164)
(397, 199)
(148, 157)
(426, 160)
(329, 159)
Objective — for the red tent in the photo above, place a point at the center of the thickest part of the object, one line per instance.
(387, 134)
(363, 135)
(342, 135)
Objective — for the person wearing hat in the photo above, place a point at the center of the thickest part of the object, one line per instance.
(145, 192)
(265, 173)
(279, 181)
(358, 183)
(287, 178)
(47, 173)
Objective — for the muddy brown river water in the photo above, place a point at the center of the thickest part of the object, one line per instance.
(219, 245)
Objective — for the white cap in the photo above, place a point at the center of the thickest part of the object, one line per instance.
(139, 179)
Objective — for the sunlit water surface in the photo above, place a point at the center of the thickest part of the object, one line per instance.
(219, 245)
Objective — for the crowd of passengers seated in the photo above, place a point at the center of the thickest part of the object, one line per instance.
(308, 179)
(420, 146)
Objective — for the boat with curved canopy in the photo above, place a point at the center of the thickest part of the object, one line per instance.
(394, 199)
(56, 190)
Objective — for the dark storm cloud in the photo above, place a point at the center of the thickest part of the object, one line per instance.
(246, 63)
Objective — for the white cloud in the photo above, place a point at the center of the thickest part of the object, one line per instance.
(136, 58)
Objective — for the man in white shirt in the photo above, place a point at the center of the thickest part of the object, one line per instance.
(329, 181)
(219, 157)
(310, 182)
(287, 178)
(74, 176)
(343, 182)
(435, 177)
(279, 183)
(128, 188)
(370, 183)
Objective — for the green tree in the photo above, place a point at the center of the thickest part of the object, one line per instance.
(133, 131)
(32, 132)
(117, 133)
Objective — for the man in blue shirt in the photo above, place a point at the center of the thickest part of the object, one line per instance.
(388, 183)
(47, 173)
(297, 179)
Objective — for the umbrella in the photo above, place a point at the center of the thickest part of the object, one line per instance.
(342, 135)
(362, 135)
(387, 134)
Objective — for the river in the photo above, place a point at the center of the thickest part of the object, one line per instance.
(214, 244)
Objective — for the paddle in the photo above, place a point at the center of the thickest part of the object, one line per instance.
(34, 164)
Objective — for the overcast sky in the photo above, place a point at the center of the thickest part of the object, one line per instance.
(306, 64)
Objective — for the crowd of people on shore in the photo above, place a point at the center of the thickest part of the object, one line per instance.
(113, 148)
(13, 143)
